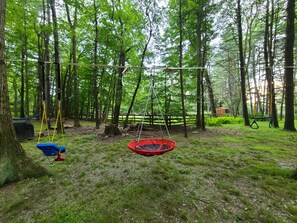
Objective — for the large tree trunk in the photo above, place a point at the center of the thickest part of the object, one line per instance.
(14, 164)
(289, 70)
(242, 66)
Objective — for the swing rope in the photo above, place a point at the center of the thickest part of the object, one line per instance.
(43, 120)
(44, 116)
(59, 118)
(140, 128)
(162, 116)
(152, 146)
(51, 149)
(152, 94)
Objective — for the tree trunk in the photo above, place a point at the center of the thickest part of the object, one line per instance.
(40, 72)
(210, 95)
(242, 66)
(282, 102)
(15, 88)
(289, 69)
(68, 92)
(27, 86)
(95, 69)
(59, 126)
(119, 89)
(258, 105)
(119, 86)
(268, 57)
(46, 22)
(181, 70)
(22, 91)
(73, 25)
(14, 164)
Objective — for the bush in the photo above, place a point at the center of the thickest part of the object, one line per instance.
(219, 121)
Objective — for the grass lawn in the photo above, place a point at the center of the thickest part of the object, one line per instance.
(226, 174)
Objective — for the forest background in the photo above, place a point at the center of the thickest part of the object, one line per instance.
(107, 53)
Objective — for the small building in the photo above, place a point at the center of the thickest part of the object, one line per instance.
(221, 111)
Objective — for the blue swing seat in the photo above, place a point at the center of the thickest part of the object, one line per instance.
(51, 149)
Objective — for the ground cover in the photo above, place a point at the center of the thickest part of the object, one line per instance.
(225, 174)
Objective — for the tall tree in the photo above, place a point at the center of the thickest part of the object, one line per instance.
(59, 126)
(289, 67)
(95, 68)
(73, 25)
(14, 164)
(269, 60)
(199, 64)
(46, 39)
(242, 65)
(180, 66)
(24, 66)
(201, 35)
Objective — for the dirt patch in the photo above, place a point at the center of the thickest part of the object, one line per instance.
(147, 131)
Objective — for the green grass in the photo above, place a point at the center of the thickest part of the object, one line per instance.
(226, 174)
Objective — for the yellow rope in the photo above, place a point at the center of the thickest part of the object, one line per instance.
(59, 118)
(44, 119)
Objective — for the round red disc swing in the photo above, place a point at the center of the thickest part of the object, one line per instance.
(152, 147)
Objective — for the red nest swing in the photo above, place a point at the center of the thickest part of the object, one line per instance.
(152, 146)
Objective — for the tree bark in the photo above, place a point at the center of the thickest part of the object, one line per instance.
(242, 66)
(269, 58)
(46, 22)
(289, 69)
(95, 69)
(181, 70)
(210, 95)
(14, 163)
(199, 71)
(119, 86)
(73, 25)
(22, 91)
(59, 126)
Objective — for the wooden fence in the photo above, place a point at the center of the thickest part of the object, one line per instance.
(170, 120)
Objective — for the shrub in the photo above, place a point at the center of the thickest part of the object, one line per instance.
(219, 121)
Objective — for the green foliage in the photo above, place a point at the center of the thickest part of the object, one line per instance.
(219, 121)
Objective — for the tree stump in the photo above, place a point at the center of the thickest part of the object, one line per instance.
(112, 130)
